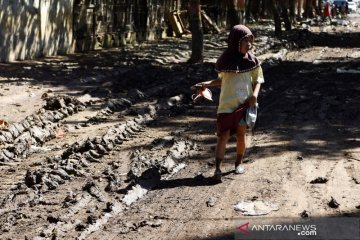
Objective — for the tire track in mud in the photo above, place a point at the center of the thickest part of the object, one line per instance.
(58, 176)
(63, 176)
(154, 167)
(185, 209)
(50, 180)
(47, 117)
(40, 178)
(18, 138)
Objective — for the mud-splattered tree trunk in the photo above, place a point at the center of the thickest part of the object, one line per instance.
(232, 13)
(197, 39)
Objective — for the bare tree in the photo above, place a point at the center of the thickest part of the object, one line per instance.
(197, 38)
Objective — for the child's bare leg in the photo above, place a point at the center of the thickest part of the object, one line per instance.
(240, 144)
(220, 149)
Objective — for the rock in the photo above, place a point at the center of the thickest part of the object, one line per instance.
(319, 180)
(52, 219)
(333, 203)
(91, 219)
(211, 202)
(33, 177)
(305, 214)
(109, 207)
(80, 227)
(54, 103)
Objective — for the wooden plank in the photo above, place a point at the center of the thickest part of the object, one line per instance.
(208, 20)
(176, 23)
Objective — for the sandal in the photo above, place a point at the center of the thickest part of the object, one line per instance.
(217, 175)
(239, 169)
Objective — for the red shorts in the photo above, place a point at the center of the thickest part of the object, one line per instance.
(230, 121)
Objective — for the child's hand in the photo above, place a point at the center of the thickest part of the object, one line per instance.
(199, 86)
(252, 101)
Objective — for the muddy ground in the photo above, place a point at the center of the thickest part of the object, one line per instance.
(108, 145)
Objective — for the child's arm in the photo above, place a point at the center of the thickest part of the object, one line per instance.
(210, 83)
(253, 99)
(258, 79)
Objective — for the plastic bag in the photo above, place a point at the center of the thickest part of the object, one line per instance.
(201, 95)
(251, 114)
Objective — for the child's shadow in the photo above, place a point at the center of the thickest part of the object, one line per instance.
(196, 181)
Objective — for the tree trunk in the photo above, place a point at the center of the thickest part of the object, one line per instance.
(197, 38)
(300, 7)
(292, 7)
(308, 9)
(249, 4)
(232, 13)
(285, 14)
(255, 9)
(276, 15)
(319, 7)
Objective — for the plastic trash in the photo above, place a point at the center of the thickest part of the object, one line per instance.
(202, 94)
(255, 208)
(251, 114)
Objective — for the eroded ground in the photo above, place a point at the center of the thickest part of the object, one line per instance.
(108, 145)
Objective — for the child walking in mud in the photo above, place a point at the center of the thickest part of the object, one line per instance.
(240, 76)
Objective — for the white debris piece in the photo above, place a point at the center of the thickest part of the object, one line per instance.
(255, 208)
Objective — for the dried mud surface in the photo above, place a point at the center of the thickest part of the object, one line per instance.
(108, 145)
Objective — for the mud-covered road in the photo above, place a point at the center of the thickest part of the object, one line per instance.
(108, 145)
